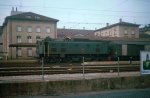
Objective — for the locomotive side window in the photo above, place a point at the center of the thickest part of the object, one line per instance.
(63, 50)
(76, 45)
(88, 45)
(53, 45)
(54, 49)
(97, 45)
(97, 50)
(63, 45)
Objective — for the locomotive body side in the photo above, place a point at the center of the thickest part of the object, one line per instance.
(73, 50)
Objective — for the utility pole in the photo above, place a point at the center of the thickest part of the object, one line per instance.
(118, 65)
(83, 67)
(42, 68)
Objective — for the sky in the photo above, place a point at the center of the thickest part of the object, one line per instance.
(76, 14)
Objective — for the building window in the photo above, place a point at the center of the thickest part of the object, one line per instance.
(38, 29)
(18, 39)
(29, 52)
(125, 31)
(105, 34)
(29, 39)
(109, 34)
(115, 33)
(29, 29)
(48, 30)
(19, 29)
(133, 32)
(96, 34)
(18, 52)
(37, 37)
(37, 17)
(28, 16)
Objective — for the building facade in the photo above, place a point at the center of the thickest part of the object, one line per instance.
(1, 42)
(121, 29)
(22, 30)
(74, 33)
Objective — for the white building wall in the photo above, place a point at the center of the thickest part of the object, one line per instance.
(118, 31)
(1, 45)
(24, 34)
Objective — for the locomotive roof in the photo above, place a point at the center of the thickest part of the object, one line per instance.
(74, 40)
(138, 41)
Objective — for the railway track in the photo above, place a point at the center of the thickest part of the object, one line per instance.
(15, 70)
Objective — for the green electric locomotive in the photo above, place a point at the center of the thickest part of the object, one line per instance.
(56, 50)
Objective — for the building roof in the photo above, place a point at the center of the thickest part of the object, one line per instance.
(75, 33)
(145, 28)
(31, 16)
(119, 24)
(145, 32)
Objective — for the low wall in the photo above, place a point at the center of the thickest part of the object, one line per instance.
(112, 63)
(73, 86)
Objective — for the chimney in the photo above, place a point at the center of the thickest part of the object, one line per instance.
(16, 9)
(12, 9)
(83, 28)
(64, 27)
(120, 20)
(107, 24)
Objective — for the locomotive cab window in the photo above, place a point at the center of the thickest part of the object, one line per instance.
(53, 45)
(97, 50)
(97, 45)
(88, 45)
(63, 50)
(54, 49)
(63, 45)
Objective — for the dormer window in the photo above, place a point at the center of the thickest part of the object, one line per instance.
(28, 16)
(37, 17)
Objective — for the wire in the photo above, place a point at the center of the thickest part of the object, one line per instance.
(76, 9)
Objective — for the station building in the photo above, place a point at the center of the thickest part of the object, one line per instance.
(120, 29)
(21, 30)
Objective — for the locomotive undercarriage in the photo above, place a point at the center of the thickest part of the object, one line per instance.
(54, 58)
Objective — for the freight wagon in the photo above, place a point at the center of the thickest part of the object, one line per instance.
(127, 50)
